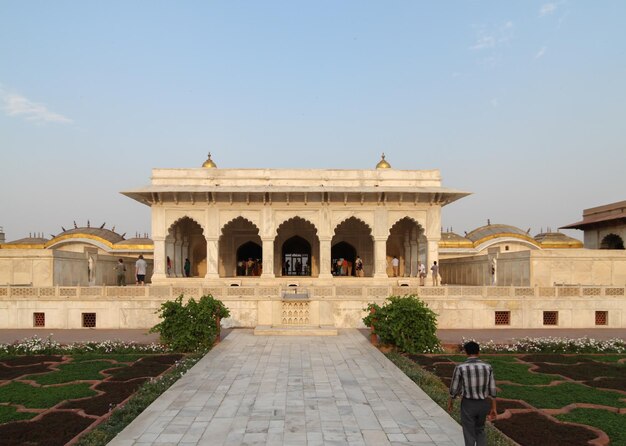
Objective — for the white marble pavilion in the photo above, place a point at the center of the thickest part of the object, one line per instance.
(283, 218)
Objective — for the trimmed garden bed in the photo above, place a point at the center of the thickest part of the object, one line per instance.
(52, 399)
(546, 398)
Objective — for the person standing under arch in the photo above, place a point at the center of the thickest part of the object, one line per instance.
(358, 265)
(395, 265)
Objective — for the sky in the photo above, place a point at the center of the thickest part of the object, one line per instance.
(521, 103)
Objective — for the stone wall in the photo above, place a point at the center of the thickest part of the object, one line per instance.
(547, 267)
(48, 268)
(341, 305)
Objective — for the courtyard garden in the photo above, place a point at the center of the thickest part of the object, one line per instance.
(551, 391)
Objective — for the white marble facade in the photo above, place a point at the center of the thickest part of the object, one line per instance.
(209, 215)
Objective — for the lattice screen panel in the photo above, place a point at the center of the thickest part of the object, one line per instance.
(503, 318)
(39, 319)
(602, 318)
(550, 318)
(89, 320)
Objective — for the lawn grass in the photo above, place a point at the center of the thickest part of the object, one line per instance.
(42, 397)
(506, 370)
(88, 370)
(555, 397)
(119, 357)
(9, 413)
(613, 424)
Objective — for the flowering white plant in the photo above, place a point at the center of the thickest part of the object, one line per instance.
(37, 345)
(553, 345)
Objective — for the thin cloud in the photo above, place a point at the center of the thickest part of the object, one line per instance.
(541, 52)
(547, 9)
(492, 38)
(495, 102)
(19, 106)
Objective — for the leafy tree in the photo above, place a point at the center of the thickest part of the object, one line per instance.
(405, 321)
(192, 326)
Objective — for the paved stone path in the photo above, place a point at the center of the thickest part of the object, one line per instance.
(277, 390)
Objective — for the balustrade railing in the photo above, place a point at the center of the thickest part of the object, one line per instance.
(344, 292)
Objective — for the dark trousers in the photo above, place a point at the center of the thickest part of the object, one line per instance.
(473, 416)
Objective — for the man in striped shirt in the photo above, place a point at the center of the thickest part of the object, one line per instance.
(474, 381)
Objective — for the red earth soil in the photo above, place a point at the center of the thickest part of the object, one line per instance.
(608, 383)
(534, 429)
(53, 429)
(115, 393)
(28, 360)
(582, 372)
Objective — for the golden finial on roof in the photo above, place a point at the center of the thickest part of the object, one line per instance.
(383, 164)
(209, 162)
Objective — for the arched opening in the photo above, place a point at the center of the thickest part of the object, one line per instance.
(249, 256)
(612, 241)
(294, 231)
(185, 247)
(240, 252)
(343, 256)
(353, 238)
(296, 257)
(405, 248)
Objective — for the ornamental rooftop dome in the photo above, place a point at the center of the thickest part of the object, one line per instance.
(383, 164)
(453, 240)
(496, 230)
(557, 240)
(106, 234)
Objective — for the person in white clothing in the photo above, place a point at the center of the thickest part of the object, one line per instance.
(395, 265)
(140, 270)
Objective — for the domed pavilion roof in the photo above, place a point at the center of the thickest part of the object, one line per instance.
(90, 232)
(453, 240)
(557, 240)
(27, 242)
(497, 230)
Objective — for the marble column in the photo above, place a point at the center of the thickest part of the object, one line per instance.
(178, 254)
(414, 252)
(433, 256)
(407, 254)
(158, 271)
(325, 258)
(212, 257)
(169, 252)
(185, 254)
(380, 257)
(268, 258)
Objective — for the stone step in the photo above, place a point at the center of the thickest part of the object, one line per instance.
(295, 330)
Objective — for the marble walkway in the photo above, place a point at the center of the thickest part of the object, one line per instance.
(276, 390)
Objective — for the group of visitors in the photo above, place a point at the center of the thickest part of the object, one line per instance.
(298, 268)
(186, 267)
(250, 267)
(344, 267)
(141, 267)
(421, 271)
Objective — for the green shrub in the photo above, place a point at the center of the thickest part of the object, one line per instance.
(405, 322)
(192, 326)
